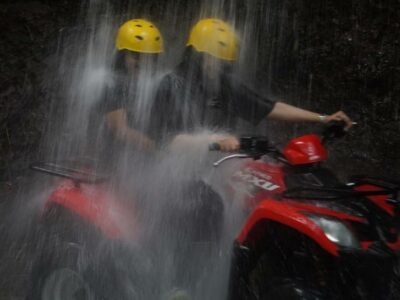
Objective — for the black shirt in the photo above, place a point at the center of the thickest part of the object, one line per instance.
(184, 105)
(117, 95)
(121, 93)
(125, 93)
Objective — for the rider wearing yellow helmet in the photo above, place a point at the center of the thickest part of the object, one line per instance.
(214, 37)
(203, 86)
(138, 45)
(201, 93)
(139, 36)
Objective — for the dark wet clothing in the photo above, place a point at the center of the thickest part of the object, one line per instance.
(184, 105)
(121, 93)
(102, 143)
(115, 97)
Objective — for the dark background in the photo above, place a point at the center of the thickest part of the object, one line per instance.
(322, 55)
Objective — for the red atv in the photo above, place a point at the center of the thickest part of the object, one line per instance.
(87, 241)
(307, 235)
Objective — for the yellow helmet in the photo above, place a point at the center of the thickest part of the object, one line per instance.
(139, 35)
(214, 37)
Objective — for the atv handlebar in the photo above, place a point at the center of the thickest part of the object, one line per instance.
(250, 147)
(257, 146)
(260, 144)
(248, 144)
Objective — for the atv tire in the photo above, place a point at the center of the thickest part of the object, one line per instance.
(74, 261)
(62, 277)
(270, 280)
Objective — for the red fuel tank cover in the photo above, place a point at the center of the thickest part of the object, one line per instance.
(306, 149)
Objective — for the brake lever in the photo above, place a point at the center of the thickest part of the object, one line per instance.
(237, 155)
(251, 147)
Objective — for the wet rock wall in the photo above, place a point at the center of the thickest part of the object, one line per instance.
(320, 54)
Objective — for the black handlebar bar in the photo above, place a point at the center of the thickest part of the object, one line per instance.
(248, 144)
(260, 144)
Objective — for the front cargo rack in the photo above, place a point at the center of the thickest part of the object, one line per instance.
(78, 173)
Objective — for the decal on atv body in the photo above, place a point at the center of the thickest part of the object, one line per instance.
(256, 178)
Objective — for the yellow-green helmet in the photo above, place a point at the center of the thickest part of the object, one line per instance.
(139, 35)
(215, 37)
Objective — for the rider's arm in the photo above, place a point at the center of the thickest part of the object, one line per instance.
(166, 112)
(117, 122)
(286, 112)
(253, 107)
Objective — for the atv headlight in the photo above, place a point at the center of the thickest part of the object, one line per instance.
(336, 231)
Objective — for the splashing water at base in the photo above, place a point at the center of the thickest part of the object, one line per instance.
(136, 244)
(202, 273)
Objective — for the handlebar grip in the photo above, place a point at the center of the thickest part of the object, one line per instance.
(333, 130)
(340, 123)
(214, 147)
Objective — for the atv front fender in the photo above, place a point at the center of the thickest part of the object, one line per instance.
(285, 214)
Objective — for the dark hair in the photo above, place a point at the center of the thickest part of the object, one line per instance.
(119, 65)
(192, 62)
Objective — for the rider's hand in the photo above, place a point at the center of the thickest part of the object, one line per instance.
(146, 144)
(182, 140)
(227, 143)
(340, 116)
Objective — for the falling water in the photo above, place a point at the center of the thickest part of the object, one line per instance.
(82, 71)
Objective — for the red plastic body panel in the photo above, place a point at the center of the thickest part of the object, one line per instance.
(306, 149)
(379, 200)
(264, 180)
(260, 180)
(395, 245)
(324, 211)
(94, 204)
(284, 213)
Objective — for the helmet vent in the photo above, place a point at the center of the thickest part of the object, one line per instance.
(157, 38)
(139, 37)
(151, 26)
(221, 29)
(222, 43)
(138, 25)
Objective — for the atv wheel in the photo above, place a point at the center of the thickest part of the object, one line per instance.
(65, 284)
(61, 277)
(270, 279)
